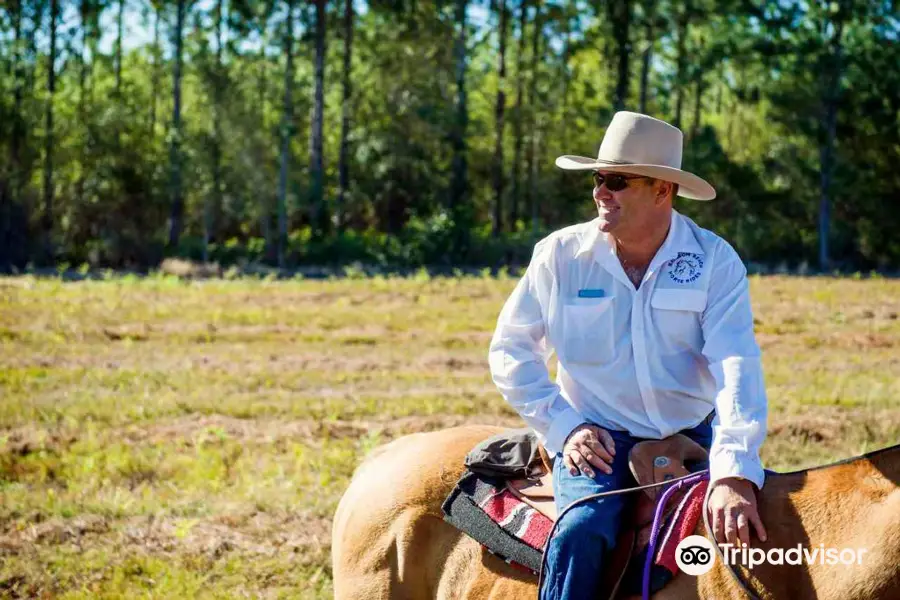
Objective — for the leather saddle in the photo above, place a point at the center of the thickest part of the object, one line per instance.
(652, 461)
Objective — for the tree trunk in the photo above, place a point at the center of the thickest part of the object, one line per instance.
(831, 97)
(698, 102)
(620, 16)
(729, 130)
(38, 24)
(519, 118)
(531, 167)
(344, 167)
(287, 125)
(119, 29)
(157, 56)
(47, 217)
(683, 24)
(321, 219)
(84, 12)
(18, 131)
(212, 204)
(720, 88)
(95, 52)
(566, 77)
(176, 220)
(497, 224)
(271, 252)
(647, 55)
(9, 185)
(82, 98)
(459, 185)
(91, 41)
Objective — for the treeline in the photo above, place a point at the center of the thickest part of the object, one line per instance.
(409, 132)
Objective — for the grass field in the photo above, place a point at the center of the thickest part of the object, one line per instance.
(162, 438)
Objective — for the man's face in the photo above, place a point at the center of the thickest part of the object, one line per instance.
(627, 209)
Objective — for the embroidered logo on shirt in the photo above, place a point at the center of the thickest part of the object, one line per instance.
(686, 267)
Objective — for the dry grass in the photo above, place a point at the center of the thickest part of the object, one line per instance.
(177, 439)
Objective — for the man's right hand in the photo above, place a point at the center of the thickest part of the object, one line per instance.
(589, 445)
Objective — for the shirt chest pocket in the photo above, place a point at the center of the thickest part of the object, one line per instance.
(676, 316)
(588, 328)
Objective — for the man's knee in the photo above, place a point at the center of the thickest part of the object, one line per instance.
(590, 524)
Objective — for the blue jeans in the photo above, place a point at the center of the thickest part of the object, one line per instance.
(587, 533)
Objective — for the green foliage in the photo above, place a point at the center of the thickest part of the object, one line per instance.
(753, 92)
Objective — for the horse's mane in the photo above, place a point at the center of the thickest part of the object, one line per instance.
(844, 461)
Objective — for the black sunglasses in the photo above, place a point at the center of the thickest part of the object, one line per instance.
(614, 181)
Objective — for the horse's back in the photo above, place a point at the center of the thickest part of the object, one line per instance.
(389, 539)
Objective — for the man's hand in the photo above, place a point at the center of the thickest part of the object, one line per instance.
(732, 506)
(589, 445)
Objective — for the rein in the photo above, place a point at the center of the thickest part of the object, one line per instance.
(675, 484)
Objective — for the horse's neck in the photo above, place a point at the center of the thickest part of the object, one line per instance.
(828, 501)
(852, 505)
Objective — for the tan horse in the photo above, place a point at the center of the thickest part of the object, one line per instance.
(389, 539)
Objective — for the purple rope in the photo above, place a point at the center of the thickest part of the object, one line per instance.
(657, 517)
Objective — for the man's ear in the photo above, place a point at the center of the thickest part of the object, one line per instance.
(662, 192)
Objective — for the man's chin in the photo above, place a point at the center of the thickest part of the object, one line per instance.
(606, 226)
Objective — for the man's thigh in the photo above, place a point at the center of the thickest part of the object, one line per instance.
(568, 488)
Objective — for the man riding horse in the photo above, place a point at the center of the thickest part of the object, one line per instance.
(650, 318)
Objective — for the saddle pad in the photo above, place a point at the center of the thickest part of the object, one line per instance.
(484, 509)
(517, 518)
(687, 515)
(681, 523)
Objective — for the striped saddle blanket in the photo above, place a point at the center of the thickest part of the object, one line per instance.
(484, 508)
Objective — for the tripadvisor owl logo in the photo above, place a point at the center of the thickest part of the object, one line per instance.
(695, 555)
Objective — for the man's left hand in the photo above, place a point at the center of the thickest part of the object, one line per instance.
(732, 506)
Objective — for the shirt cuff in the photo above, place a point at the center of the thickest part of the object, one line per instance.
(726, 463)
(560, 428)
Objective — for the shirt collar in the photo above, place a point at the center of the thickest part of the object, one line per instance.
(679, 239)
(589, 237)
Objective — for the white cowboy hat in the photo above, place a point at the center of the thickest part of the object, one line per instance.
(638, 144)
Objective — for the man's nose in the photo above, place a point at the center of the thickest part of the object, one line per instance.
(602, 194)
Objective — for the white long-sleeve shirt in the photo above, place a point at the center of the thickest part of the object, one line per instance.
(651, 361)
